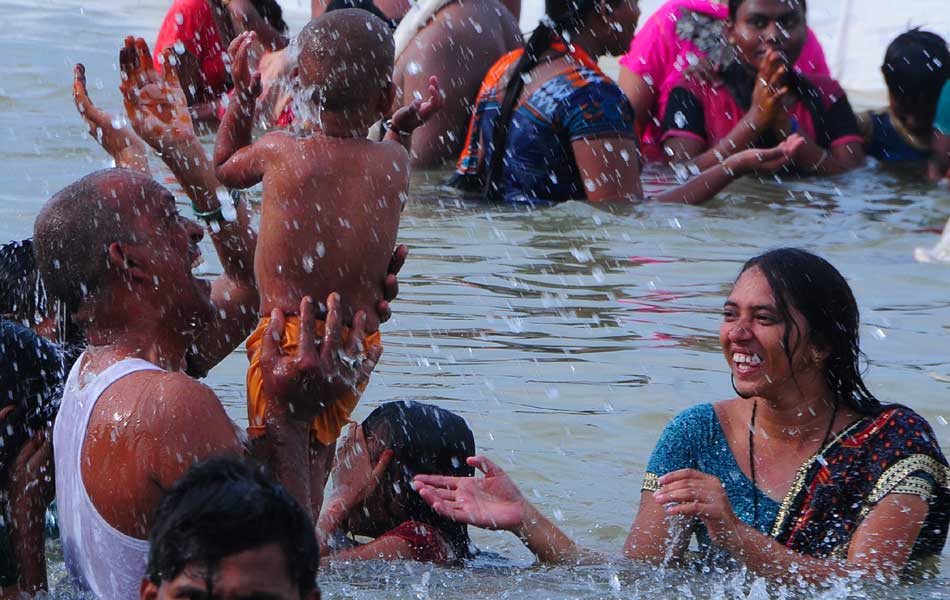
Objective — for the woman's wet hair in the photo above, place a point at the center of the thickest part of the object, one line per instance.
(425, 439)
(735, 4)
(813, 287)
(225, 506)
(271, 12)
(562, 17)
(916, 67)
(22, 293)
(31, 380)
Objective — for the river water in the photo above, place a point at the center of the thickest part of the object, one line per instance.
(567, 336)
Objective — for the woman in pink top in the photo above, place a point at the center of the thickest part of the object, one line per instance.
(680, 34)
(758, 99)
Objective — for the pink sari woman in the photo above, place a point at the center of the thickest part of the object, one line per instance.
(682, 34)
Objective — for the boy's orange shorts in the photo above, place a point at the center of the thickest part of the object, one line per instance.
(328, 424)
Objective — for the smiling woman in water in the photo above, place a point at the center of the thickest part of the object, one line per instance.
(803, 472)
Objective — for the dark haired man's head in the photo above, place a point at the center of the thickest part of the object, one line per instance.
(116, 235)
(367, 5)
(811, 285)
(916, 67)
(757, 26)
(271, 12)
(227, 530)
(346, 58)
(424, 438)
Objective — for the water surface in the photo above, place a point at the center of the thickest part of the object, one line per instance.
(567, 336)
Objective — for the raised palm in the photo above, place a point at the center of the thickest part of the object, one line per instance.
(156, 105)
(490, 502)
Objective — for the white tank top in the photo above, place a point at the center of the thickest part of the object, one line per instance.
(99, 558)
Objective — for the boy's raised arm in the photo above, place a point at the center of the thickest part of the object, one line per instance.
(413, 116)
(237, 162)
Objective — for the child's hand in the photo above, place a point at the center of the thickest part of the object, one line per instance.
(156, 106)
(120, 142)
(769, 90)
(245, 51)
(356, 476)
(409, 118)
(769, 160)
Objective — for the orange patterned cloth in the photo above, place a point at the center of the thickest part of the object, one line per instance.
(328, 424)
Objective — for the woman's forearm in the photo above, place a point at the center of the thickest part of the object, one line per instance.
(820, 161)
(742, 137)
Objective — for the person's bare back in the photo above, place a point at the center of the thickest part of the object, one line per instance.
(332, 198)
(329, 219)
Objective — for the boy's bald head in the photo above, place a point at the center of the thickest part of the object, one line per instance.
(347, 56)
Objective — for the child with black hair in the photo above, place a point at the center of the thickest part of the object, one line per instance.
(373, 493)
(227, 529)
(917, 70)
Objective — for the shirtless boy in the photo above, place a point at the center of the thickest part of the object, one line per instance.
(332, 198)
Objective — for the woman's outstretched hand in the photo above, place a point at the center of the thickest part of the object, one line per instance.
(490, 502)
(765, 160)
(696, 494)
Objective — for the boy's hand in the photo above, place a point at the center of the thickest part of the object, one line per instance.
(156, 106)
(121, 143)
(769, 90)
(245, 50)
(409, 118)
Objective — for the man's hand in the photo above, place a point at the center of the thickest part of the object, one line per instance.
(245, 51)
(391, 283)
(120, 142)
(156, 105)
(303, 385)
(409, 118)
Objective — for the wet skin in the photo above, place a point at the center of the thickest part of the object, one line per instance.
(458, 46)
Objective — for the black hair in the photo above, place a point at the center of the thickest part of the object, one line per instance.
(367, 5)
(271, 12)
(225, 506)
(31, 379)
(735, 4)
(561, 18)
(916, 67)
(425, 439)
(23, 298)
(22, 293)
(812, 286)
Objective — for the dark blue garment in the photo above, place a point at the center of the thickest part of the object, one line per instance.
(887, 144)
(31, 378)
(578, 104)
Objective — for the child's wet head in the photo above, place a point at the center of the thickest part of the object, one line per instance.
(916, 67)
(345, 60)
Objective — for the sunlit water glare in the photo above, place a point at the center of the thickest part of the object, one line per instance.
(567, 336)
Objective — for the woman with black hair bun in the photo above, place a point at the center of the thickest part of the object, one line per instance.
(373, 493)
(200, 31)
(548, 125)
(802, 476)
